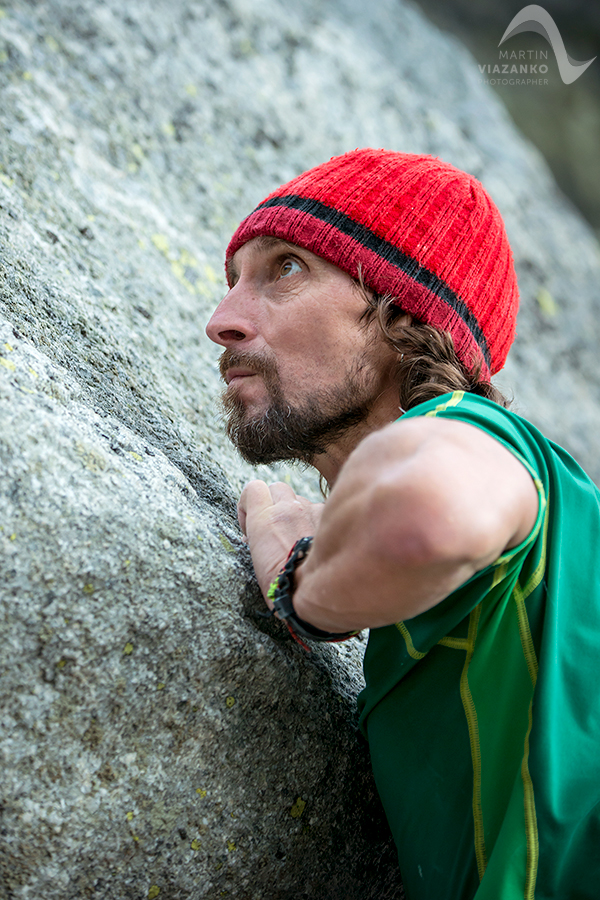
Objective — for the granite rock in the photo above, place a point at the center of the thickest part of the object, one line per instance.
(158, 738)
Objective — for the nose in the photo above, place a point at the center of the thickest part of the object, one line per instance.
(230, 323)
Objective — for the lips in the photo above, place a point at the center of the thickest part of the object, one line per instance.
(234, 373)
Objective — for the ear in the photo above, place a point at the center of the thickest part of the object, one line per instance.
(404, 319)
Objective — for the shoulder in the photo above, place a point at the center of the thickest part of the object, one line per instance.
(460, 487)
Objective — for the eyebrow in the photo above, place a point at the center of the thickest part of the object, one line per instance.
(264, 242)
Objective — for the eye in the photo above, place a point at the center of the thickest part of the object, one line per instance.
(290, 267)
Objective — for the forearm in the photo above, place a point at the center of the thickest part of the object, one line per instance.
(417, 510)
(355, 583)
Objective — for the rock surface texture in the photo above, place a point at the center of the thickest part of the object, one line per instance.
(157, 738)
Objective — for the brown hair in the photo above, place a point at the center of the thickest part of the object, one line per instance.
(427, 365)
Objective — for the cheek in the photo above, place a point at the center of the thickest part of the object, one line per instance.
(321, 358)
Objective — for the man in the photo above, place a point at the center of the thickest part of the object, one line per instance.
(370, 301)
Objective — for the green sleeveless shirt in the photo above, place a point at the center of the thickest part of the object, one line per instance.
(483, 713)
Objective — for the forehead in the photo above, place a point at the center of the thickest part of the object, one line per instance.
(262, 245)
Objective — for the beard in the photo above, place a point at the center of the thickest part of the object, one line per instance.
(286, 432)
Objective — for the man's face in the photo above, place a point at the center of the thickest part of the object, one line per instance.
(301, 367)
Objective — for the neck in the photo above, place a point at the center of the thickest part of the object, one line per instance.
(330, 463)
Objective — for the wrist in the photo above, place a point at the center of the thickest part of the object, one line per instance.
(281, 594)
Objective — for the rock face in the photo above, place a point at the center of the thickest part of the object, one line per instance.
(158, 739)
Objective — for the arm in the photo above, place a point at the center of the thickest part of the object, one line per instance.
(417, 509)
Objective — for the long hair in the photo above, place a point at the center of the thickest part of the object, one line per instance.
(426, 365)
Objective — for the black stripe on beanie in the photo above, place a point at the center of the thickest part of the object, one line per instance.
(388, 252)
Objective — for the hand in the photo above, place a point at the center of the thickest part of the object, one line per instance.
(273, 518)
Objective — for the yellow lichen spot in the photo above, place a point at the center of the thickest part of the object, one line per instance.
(55, 176)
(127, 649)
(88, 589)
(230, 702)
(3, 55)
(9, 348)
(91, 218)
(27, 76)
(227, 543)
(137, 151)
(135, 837)
(191, 89)
(233, 815)
(188, 260)
(168, 129)
(135, 455)
(298, 808)
(129, 816)
(195, 845)
(202, 289)
(127, 562)
(231, 846)
(33, 372)
(200, 538)
(160, 242)
(160, 686)
(13, 537)
(546, 302)
(201, 792)
(211, 274)
(153, 892)
(6, 180)
(246, 46)
(52, 43)
(132, 168)
(61, 664)
(179, 273)
(92, 460)
(7, 364)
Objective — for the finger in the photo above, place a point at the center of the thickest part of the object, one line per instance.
(281, 491)
(255, 497)
(241, 514)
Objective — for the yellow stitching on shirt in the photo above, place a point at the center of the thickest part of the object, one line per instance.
(520, 595)
(471, 716)
(531, 829)
(509, 554)
(527, 644)
(455, 643)
(536, 576)
(415, 654)
(525, 634)
(454, 400)
(499, 574)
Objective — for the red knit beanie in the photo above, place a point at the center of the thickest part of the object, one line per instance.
(414, 227)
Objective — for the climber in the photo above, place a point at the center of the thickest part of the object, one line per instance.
(370, 301)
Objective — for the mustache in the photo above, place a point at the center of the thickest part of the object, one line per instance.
(257, 362)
